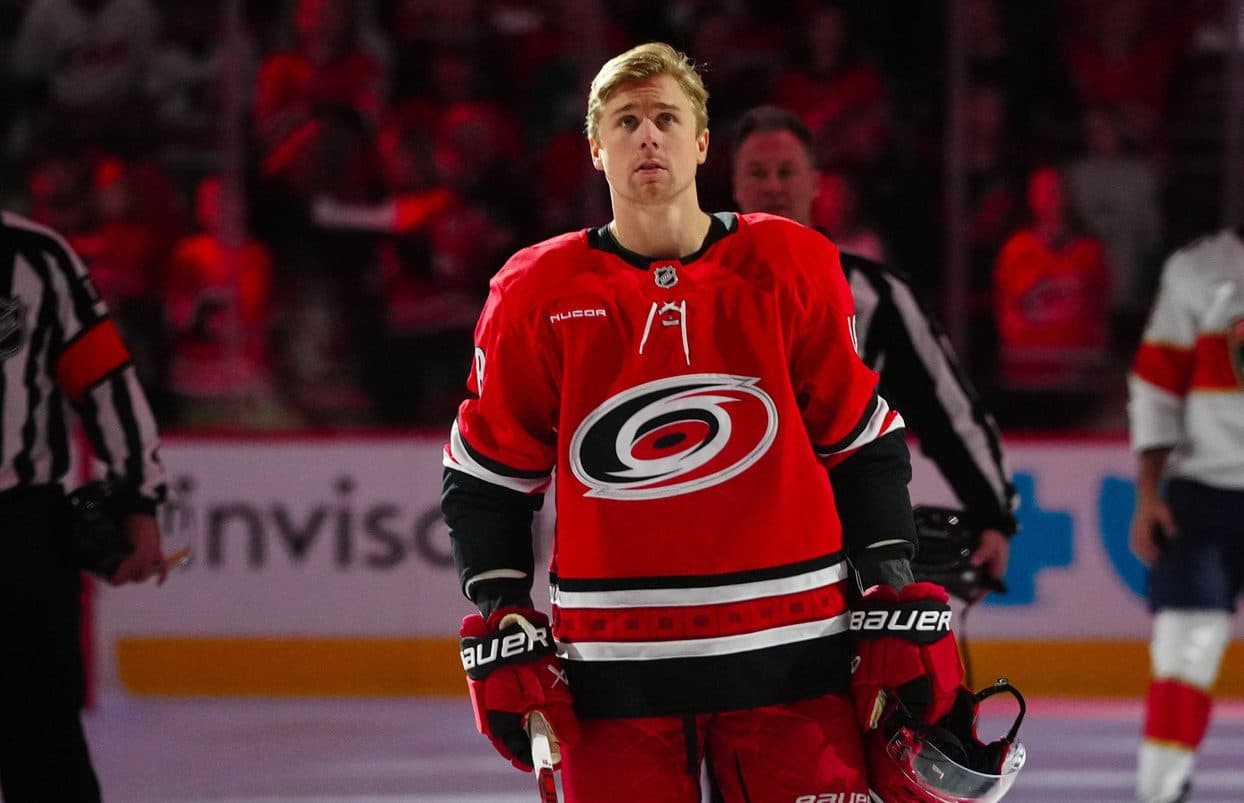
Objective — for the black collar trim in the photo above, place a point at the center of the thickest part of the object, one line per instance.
(602, 239)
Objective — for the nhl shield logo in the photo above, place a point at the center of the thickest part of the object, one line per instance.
(665, 277)
(1235, 348)
(12, 326)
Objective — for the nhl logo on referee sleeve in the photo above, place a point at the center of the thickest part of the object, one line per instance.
(12, 326)
(1235, 348)
(665, 276)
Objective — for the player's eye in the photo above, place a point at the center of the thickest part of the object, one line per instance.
(758, 173)
(627, 121)
(666, 118)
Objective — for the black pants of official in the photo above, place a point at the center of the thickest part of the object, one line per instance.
(43, 750)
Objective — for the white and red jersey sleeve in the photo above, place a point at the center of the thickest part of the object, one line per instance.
(1187, 379)
(836, 391)
(505, 432)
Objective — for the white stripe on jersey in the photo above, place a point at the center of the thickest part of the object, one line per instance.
(458, 457)
(702, 647)
(702, 595)
(874, 429)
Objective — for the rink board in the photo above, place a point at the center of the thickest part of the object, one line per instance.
(321, 566)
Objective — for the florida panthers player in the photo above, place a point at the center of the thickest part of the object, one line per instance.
(1187, 427)
(692, 377)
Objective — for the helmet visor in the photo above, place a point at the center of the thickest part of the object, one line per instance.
(944, 779)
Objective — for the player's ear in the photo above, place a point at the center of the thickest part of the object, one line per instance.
(701, 147)
(597, 162)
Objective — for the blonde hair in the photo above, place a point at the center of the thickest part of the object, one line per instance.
(639, 64)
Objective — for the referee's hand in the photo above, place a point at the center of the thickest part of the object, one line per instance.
(147, 558)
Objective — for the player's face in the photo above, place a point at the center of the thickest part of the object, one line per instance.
(647, 145)
(773, 173)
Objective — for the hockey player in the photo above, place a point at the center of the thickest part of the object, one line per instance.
(774, 172)
(1187, 429)
(692, 376)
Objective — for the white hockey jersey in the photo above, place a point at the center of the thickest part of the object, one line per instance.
(1187, 381)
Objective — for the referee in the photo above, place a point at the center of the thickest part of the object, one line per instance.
(920, 377)
(58, 344)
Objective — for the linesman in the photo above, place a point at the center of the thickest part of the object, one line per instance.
(57, 345)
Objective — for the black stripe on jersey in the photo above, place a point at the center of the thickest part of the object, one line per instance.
(58, 429)
(89, 416)
(36, 246)
(714, 683)
(8, 253)
(698, 580)
(855, 432)
(602, 239)
(124, 406)
(37, 353)
(82, 298)
(497, 467)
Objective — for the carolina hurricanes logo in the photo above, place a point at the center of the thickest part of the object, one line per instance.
(673, 436)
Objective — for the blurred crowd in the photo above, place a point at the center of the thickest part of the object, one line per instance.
(294, 218)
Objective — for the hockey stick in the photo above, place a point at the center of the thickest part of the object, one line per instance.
(542, 757)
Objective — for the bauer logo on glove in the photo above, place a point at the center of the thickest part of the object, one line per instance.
(885, 622)
(478, 655)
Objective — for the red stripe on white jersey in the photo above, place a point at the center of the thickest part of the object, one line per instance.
(1165, 366)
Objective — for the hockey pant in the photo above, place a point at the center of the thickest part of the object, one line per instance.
(803, 752)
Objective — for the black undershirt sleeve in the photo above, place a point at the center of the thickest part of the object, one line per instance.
(490, 530)
(878, 531)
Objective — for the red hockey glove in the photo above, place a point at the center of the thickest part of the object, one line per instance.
(904, 646)
(512, 671)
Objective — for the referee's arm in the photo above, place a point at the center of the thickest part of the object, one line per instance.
(921, 377)
(94, 370)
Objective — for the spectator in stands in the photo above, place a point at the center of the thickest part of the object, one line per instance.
(1051, 289)
(315, 115)
(428, 307)
(219, 306)
(837, 212)
(90, 60)
(136, 219)
(60, 196)
(1116, 195)
(993, 209)
(837, 93)
(192, 72)
(1122, 56)
(316, 103)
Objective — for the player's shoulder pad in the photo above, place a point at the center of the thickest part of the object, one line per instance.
(48, 238)
(537, 262)
(803, 250)
(1200, 265)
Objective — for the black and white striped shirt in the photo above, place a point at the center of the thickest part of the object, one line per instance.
(921, 378)
(58, 344)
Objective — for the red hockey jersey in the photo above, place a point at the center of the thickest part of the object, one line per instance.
(691, 407)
